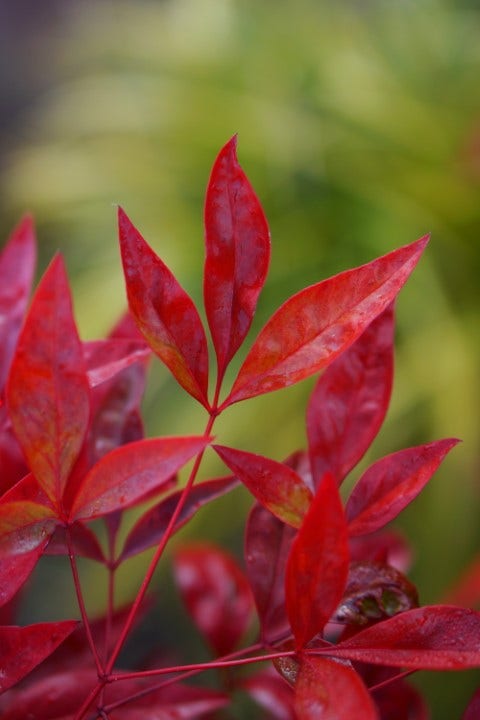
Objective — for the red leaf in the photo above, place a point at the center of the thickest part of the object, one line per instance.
(14, 571)
(329, 690)
(472, 711)
(436, 637)
(237, 254)
(48, 392)
(216, 593)
(149, 529)
(127, 474)
(317, 567)
(105, 359)
(314, 326)
(390, 484)
(350, 400)
(271, 693)
(466, 591)
(23, 648)
(275, 485)
(267, 545)
(164, 312)
(17, 265)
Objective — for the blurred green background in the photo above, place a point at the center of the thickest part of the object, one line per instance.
(359, 127)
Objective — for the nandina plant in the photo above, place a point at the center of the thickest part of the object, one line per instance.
(323, 584)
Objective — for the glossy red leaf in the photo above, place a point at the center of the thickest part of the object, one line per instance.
(350, 400)
(47, 392)
(237, 254)
(472, 711)
(436, 637)
(129, 473)
(391, 483)
(12, 461)
(23, 648)
(330, 690)
(17, 266)
(267, 546)
(317, 567)
(151, 526)
(15, 570)
(272, 694)
(164, 312)
(216, 594)
(314, 326)
(275, 485)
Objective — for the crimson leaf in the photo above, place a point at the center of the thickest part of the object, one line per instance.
(237, 254)
(390, 484)
(127, 474)
(314, 326)
(317, 566)
(216, 593)
(330, 690)
(47, 392)
(275, 485)
(350, 400)
(436, 637)
(23, 648)
(164, 312)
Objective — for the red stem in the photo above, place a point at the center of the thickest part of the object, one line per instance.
(81, 604)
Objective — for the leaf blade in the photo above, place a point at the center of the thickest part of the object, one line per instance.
(388, 485)
(314, 326)
(128, 473)
(237, 241)
(165, 314)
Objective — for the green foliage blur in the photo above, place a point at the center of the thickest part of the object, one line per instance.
(359, 127)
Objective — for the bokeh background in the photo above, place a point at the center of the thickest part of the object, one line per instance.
(359, 127)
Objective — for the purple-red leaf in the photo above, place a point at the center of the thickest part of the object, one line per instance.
(17, 265)
(216, 593)
(23, 648)
(129, 473)
(275, 485)
(350, 400)
(164, 312)
(330, 690)
(436, 637)
(105, 359)
(237, 254)
(314, 326)
(267, 546)
(47, 392)
(317, 567)
(391, 483)
(149, 529)
(84, 542)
